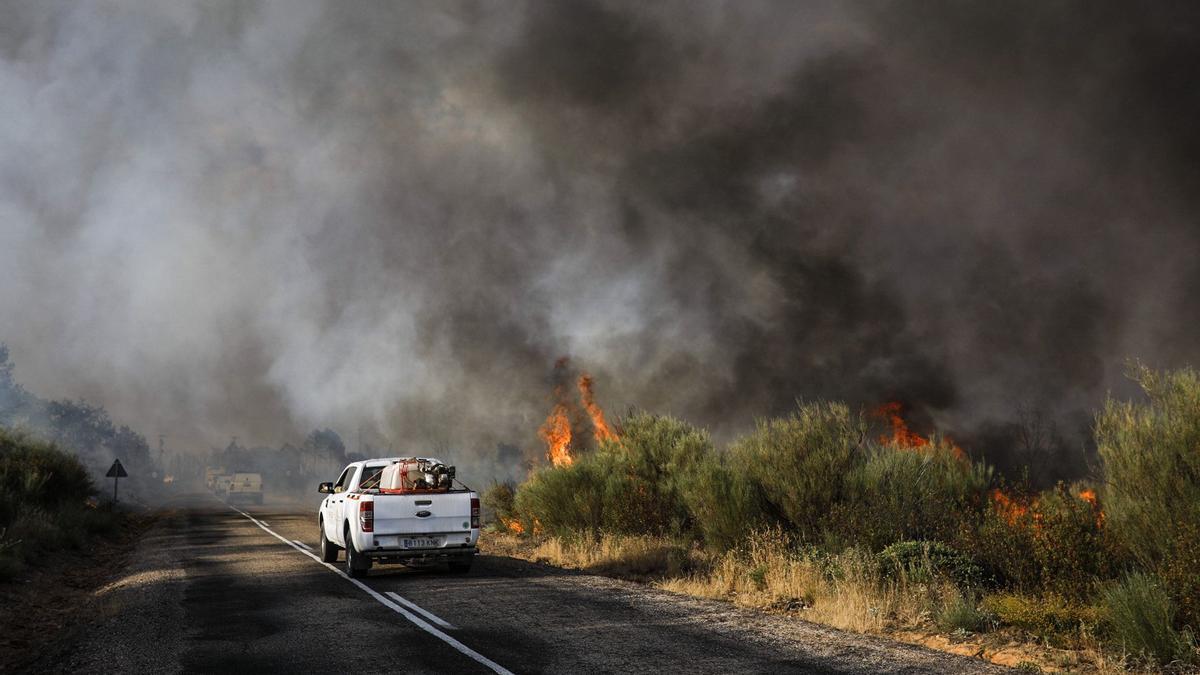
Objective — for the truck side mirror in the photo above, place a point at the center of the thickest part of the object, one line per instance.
(325, 488)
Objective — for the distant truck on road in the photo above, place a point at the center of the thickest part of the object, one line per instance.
(210, 476)
(398, 510)
(245, 487)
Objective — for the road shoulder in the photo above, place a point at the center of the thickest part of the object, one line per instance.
(127, 623)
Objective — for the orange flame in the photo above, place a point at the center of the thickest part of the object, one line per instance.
(905, 438)
(600, 427)
(1011, 509)
(1089, 495)
(513, 525)
(901, 436)
(556, 432)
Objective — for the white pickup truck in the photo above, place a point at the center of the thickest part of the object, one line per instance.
(430, 523)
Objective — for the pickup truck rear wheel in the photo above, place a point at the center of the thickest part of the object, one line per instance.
(357, 564)
(329, 550)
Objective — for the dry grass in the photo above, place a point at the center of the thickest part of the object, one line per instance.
(843, 591)
(624, 556)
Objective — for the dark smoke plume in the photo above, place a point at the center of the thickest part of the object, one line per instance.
(255, 218)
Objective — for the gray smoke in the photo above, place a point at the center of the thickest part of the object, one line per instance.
(257, 218)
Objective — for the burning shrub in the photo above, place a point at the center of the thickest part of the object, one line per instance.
(1069, 543)
(1151, 457)
(499, 500)
(633, 486)
(800, 462)
(567, 498)
(1004, 541)
(1053, 542)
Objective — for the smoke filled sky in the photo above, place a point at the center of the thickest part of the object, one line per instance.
(255, 218)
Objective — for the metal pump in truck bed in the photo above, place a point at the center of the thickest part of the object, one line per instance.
(416, 475)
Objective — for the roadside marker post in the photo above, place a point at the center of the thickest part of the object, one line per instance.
(116, 472)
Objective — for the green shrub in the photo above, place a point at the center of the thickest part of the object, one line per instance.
(34, 474)
(1142, 618)
(1151, 458)
(499, 499)
(722, 502)
(799, 462)
(926, 561)
(655, 456)
(635, 486)
(900, 494)
(42, 503)
(565, 499)
(961, 613)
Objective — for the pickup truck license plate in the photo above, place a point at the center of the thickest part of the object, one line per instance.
(421, 542)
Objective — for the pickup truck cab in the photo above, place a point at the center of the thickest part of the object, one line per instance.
(415, 526)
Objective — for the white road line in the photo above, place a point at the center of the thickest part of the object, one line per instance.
(299, 543)
(416, 620)
(421, 610)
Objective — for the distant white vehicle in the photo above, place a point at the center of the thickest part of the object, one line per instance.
(245, 487)
(398, 510)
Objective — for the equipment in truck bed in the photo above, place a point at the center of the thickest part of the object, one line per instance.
(416, 475)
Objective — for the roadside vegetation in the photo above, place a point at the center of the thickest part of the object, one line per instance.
(46, 504)
(817, 514)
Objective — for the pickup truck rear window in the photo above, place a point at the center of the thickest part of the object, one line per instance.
(371, 476)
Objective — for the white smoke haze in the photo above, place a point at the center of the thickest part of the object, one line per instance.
(257, 218)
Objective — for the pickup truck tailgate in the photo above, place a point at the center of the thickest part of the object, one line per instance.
(422, 513)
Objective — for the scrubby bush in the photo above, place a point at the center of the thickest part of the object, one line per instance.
(633, 486)
(42, 502)
(499, 500)
(657, 455)
(926, 561)
(871, 522)
(800, 462)
(1141, 616)
(897, 494)
(961, 612)
(565, 499)
(722, 502)
(1069, 545)
(1151, 458)
(34, 474)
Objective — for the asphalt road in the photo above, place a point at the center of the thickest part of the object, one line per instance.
(214, 590)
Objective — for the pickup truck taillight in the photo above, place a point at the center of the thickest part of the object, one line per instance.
(475, 512)
(366, 516)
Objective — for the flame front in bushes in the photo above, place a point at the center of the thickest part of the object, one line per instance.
(1089, 495)
(901, 436)
(600, 427)
(905, 438)
(556, 432)
(513, 525)
(1012, 510)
